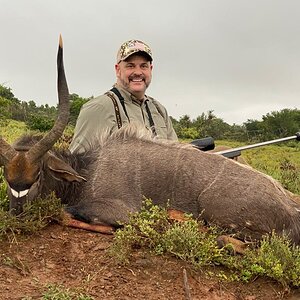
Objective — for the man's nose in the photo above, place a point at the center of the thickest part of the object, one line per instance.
(138, 71)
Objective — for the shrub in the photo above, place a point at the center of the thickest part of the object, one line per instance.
(40, 122)
(35, 216)
(151, 229)
(275, 257)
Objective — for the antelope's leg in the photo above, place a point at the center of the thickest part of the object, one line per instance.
(69, 221)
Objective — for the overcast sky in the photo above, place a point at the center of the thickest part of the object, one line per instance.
(239, 58)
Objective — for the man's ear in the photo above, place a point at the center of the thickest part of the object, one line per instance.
(117, 69)
(61, 170)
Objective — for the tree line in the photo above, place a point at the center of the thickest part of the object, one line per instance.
(275, 124)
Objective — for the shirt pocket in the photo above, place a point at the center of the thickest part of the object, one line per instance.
(159, 124)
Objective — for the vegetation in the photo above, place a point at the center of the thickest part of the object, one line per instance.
(35, 117)
(273, 125)
(281, 161)
(36, 216)
(4, 205)
(151, 230)
(59, 292)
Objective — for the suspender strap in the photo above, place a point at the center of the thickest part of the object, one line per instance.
(121, 99)
(116, 91)
(150, 119)
(117, 111)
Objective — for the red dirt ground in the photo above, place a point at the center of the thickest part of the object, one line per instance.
(78, 260)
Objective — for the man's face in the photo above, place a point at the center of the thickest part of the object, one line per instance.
(134, 74)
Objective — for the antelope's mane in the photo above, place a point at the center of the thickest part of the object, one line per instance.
(135, 131)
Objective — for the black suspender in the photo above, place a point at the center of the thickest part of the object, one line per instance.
(150, 118)
(117, 111)
(116, 91)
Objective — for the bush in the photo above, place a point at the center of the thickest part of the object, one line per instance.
(35, 216)
(185, 241)
(151, 229)
(275, 257)
(40, 122)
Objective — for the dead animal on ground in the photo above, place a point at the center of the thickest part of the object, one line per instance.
(103, 185)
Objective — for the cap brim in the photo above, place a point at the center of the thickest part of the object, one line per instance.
(140, 52)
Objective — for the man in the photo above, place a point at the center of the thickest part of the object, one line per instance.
(126, 102)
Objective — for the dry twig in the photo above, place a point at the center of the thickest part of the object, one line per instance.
(186, 286)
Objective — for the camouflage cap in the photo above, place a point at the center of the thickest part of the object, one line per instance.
(133, 46)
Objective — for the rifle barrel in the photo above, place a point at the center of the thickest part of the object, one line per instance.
(294, 137)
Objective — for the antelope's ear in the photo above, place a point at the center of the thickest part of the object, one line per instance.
(61, 170)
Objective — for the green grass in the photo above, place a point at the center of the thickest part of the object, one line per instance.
(13, 130)
(282, 162)
(60, 292)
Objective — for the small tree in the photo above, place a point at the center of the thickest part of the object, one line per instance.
(6, 93)
(40, 122)
(281, 123)
(4, 108)
(76, 104)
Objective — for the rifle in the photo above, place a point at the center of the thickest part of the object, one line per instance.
(204, 144)
(207, 143)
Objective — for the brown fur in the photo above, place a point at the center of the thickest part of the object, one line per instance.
(130, 166)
